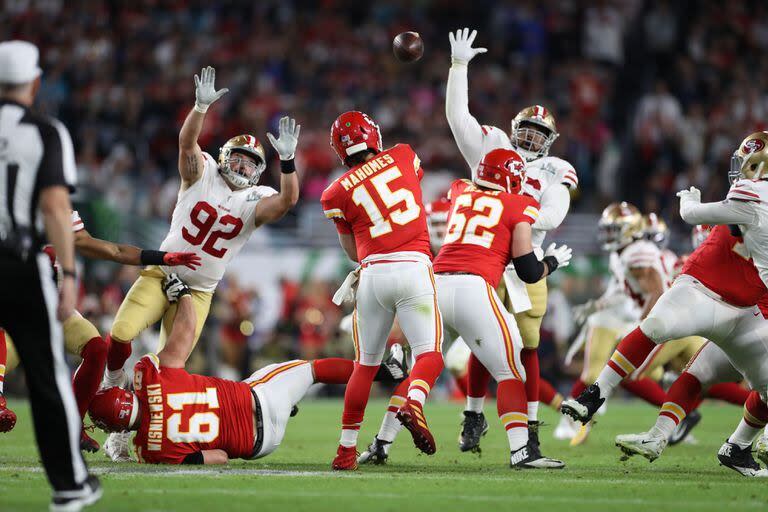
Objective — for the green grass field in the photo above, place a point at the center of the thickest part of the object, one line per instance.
(297, 476)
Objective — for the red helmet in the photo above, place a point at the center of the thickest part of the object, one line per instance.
(501, 169)
(699, 234)
(353, 132)
(437, 211)
(114, 409)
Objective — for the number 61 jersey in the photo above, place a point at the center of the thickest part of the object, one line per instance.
(182, 414)
(380, 203)
(214, 221)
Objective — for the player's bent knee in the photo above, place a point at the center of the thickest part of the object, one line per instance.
(123, 332)
(656, 329)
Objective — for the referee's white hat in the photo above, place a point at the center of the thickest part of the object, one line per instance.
(18, 62)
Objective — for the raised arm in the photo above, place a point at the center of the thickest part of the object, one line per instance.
(731, 211)
(466, 130)
(274, 207)
(181, 340)
(190, 154)
(98, 249)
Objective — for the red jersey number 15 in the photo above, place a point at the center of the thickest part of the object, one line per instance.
(408, 212)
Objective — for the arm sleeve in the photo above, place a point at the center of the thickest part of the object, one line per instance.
(725, 212)
(465, 128)
(194, 458)
(57, 166)
(555, 202)
(528, 267)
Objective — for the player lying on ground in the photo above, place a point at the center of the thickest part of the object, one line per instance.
(182, 418)
(379, 215)
(81, 338)
(716, 296)
(548, 180)
(218, 207)
(489, 226)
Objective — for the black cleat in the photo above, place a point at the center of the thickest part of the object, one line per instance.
(473, 428)
(583, 407)
(534, 449)
(294, 410)
(522, 458)
(739, 459)
(88, 494)
(376, 453)
(395, 367)
(685, 427)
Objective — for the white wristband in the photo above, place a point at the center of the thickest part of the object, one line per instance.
(201, 108)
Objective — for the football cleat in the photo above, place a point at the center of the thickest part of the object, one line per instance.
(117, 446)
(582, 434)
(346, 459)
(121, 381)
(684, 428)
(538, 461)
(395, 367)
(7, 416)
(377, 452)
(762, 449)
(72, 501)
(294, 410)
(411, 415)
(87, 443)
(565, 429)
(583, 407)
(647, 444)
(473, 427)
(740, 460)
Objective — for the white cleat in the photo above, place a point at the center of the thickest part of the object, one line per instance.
(647, 444)
(118, 446)
(566, 429)
(120, 381)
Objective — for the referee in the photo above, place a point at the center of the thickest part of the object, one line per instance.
(37, 172)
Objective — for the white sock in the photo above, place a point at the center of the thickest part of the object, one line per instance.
(348, 437)
(517, 437)
(417, 395)
(744, 434)
(664, 427)
(607, 381)
(475, 404)
(390, 427)
(114, 377)
(533, 411)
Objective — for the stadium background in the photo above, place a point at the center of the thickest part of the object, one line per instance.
(650, 97)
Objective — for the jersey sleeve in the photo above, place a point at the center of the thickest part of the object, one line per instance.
(333, 209)
(147, 370)
(409, 156)
(526, 210)
(77, 222)
(566, 174)
(748, 191)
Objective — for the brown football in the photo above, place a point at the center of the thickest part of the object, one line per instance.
(408, 46)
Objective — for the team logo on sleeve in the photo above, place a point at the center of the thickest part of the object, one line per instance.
(753, 146)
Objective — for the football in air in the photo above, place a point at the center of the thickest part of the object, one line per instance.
(408, 46)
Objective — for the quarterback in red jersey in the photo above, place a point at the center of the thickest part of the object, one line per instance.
(489, 226)
(182, 418)
(379, 215)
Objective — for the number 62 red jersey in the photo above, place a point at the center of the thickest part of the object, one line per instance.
(214, 221)
(380, 203)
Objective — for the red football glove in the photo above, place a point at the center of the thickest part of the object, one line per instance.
(188, 259)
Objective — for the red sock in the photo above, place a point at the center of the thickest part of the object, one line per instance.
(731, 392)
(398, 396)
(530, 358)
(512, 407)
(425, 372)
(90, 372)
(549, 395)
(685, 394)
(631, 353)
(647, 389)
(3, 359)
(118, 354)
(356, 395)
(577, 388)
(461, 384)
(477, 378)
(755, 411)
(333, 370)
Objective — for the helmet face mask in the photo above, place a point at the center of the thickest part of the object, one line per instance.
(655, 229)
(533, 132)
(750, 159)
(242, 161)
(620, 224)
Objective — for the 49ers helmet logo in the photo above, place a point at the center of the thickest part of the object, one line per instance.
(753, 146)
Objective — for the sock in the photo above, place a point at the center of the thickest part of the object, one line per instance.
(630, 354)
(754, 421)
(512, 407)
(682, 398)
(3, 359)
(333, 370)
(530, 358)
(90, 372)
(647, 389)
(477, 384)
(425, 372)
(117, 356)
(578, 387)
(731, 392)
(461, 384)
(355, 400)
(549, 395)
(390, 425)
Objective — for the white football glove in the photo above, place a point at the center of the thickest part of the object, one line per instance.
(692, 194)
(583, 311)
(562, 254)
(288, 138)
(461, 46)
(205, 90)
(175, 288)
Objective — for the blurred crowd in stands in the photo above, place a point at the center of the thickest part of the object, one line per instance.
(650, 97)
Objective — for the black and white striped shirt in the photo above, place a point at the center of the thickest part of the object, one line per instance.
(35, 152)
